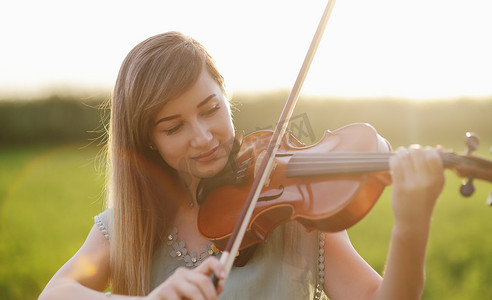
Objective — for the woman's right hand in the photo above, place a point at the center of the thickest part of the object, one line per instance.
(191, 283)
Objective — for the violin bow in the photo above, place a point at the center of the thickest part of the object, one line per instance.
(237, 235)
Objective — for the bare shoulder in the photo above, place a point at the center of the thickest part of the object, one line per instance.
(89, 266)
(347, 274)
(337, 242)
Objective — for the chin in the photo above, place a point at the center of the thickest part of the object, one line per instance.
(212, 169)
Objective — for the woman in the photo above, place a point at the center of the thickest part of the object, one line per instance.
(170, 127)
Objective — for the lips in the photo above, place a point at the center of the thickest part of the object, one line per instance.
(207, 156)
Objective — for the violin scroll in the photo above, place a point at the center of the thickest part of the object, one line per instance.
(474, 167)
(489, 198)
(472, 141)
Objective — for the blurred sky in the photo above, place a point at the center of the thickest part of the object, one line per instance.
(417, 49)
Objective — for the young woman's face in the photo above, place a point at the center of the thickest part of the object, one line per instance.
(194, 132)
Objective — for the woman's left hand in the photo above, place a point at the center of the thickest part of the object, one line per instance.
(418, 179)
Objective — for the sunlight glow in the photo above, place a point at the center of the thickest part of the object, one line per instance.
(418, 49)
(84, 268)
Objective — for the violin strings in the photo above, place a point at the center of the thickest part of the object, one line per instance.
(327, 164)
(335, 155)
(331, 171)
(336, 163)
(349, 162)
(335, 167)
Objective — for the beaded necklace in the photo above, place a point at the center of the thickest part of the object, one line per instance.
(191, 258)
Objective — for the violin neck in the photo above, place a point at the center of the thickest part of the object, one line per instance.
(345, 163)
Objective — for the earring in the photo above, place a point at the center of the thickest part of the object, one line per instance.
(152, 147)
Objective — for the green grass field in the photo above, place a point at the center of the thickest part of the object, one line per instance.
(49, 194)
(48, 198)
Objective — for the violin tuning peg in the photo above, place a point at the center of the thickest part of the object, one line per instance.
(467, 188)
(472, 141)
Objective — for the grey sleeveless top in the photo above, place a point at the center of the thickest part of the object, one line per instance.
(288, 266)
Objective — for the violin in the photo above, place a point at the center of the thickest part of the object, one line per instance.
(328, 186)
(273, 178)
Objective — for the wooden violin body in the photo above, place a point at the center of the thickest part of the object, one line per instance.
(328, 186)
(251, 195)
(318, 201)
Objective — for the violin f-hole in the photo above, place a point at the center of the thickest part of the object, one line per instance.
(276, 193)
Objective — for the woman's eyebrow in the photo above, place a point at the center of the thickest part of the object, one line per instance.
(203, 102)
(166, 119)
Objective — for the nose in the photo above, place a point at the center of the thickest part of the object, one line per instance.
(201, 136)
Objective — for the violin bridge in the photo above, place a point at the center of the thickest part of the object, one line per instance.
(267, 181)
(269, 173)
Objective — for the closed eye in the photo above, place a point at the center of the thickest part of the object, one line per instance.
(172, 130)
(212, 110)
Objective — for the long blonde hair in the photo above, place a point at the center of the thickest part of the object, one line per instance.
(142, 188)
